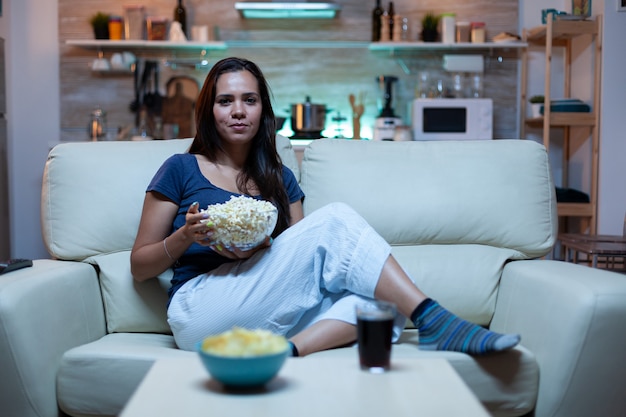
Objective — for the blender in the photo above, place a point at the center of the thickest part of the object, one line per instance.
(386, 122)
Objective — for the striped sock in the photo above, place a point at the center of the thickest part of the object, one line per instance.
(439, 329)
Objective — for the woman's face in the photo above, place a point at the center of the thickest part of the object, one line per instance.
(237, 108)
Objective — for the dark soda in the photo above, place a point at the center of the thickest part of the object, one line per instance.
(374, 333)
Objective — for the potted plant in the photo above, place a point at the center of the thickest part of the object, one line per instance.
(430, 27)
(100, 24)
(535, 105)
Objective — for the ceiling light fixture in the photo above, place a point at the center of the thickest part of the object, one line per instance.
(287, 10)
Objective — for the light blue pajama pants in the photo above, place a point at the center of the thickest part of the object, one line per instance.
(320, 268)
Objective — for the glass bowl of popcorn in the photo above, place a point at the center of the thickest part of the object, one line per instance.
(242, 358)
(242, 222)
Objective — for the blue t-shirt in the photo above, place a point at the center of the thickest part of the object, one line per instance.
(180, 180)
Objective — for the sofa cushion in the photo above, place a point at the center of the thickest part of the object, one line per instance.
(464, 278)
(506, 383)
(129, 305)
(497, 193)
(98, 378)
(454, 212)
(108, 178)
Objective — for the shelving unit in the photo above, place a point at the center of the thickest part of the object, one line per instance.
(223, 45)
(561, 33)
(393, 47)
(131, 45)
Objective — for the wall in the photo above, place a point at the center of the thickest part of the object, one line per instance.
(327, 75)
(35, 36)
(32, 83)
(612, 189)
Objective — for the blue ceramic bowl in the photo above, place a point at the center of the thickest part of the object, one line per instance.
(236, 371)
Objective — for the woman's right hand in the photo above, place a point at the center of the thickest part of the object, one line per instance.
(199, 225)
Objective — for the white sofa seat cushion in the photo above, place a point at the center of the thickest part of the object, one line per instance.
(98, 378)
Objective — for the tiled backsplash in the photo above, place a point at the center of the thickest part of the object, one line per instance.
(328, 75)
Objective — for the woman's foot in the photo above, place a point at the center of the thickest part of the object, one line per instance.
(439, 329)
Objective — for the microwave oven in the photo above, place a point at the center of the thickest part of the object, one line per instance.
(452, 118)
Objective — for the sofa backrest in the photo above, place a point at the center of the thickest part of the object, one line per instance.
(93, 193)
(454, 212)
(497, 193)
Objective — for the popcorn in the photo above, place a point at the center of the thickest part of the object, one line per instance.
(242, 342)
(242, 222)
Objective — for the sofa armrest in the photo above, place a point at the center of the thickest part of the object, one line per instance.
(44, 311)
(572, 318)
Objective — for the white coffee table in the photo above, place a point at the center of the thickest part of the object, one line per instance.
(311, 386)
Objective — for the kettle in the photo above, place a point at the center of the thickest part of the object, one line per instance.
(96, 128)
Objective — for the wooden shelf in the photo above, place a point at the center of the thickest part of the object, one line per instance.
(561, 33)
(430, 46)
(223, 45)
(141, 44)
(565, 119)
(575, 209)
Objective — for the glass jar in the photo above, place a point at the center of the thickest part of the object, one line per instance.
(423, 85)
(462, 32)
(96, 128)
(458, 85)
(478, 32)
(477, 86)
(134, 22)
(115, 28)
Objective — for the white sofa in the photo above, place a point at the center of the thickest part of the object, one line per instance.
(468, 220)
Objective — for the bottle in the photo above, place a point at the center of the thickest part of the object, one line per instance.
(376, 14)
(390, 13)
(180, 16)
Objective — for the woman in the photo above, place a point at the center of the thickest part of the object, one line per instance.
(305, 281)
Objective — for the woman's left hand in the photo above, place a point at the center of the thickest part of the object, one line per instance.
(236, 253)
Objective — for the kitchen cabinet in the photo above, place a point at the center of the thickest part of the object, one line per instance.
(561, 34)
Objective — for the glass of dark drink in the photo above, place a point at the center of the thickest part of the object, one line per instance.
(374, 331)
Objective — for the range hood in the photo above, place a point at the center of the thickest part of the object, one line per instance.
(287, 10)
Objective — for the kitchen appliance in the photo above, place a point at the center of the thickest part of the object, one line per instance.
(308, 120)
(386, 122)
(452, 119)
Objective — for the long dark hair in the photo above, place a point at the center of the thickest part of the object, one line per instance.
(263, 165)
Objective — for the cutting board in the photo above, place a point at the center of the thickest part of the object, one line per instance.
(179, 105)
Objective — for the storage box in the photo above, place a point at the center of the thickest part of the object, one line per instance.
(157, 28)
